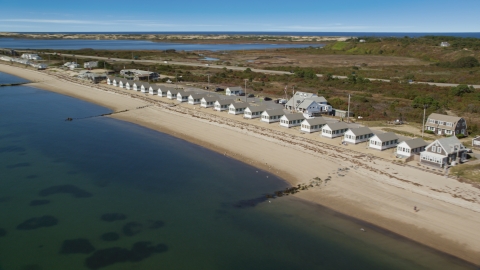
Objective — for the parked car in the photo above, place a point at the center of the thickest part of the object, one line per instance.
(251, 95)
(218, 89)
(267, 99)
(241, 94)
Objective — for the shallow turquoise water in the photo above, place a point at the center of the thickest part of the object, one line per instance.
(150, 177)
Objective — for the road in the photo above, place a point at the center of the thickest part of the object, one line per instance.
(265, 71)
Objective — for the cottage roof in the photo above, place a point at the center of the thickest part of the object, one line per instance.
(315, 121)
(337, 125)
(239, 105)
(182, 94)
(110, 77)
(196, 95)
(210, 98)
(130, 82)
(294, 116)
(124, 81)
(319, 99)
(444, 117)
(146, 85)
(274, 112)
(306, 103)
(235, 88)
(224, 101)
(165, 88)
(117, 79)
(299, 97)
(253, 108)
(361, 131)
(173, 91)
(388, 136)
(138, 83)
(415, 143)
(154, 86)
(449, 143)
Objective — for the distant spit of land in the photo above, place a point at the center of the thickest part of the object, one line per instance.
(186, 38)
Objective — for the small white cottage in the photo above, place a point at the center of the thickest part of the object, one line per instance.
(207, 102)
(222, 104)
(116, 81)
(234, 91)
(137, 85)
(195, 99)
(129, 85)
(271, 116)
(182, 96)
(313, 124)
(358, 135)
(110, 80)
(333, 130)
(383, 141)
(153, 89)
(144, 87)
(291, 120)
(411, 147)
(237, 108)
(163, 90)
(122, 83)
(252, 111)
(172, 93)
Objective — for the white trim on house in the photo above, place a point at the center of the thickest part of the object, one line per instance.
(411, 147)
(136, 86)
(172, 94)
(234, 91)
(153, 89)
(144, 87)
(182, 96)
(207, 102)
(222, 104)
(237, 108)
(195, 99)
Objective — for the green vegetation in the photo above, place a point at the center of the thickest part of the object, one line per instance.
(465, 171)
(339, 46)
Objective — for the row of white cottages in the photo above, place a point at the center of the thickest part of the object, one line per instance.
(429, 153)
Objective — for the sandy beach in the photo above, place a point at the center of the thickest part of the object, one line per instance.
(355, 181)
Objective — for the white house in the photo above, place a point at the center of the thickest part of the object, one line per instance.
(207, 102)
(383, 141)
(476, 142)
(234, 91)
(31, 56)
(222, 104)
(312, 125)
(195, 98)
(182, 96)
(291, 120)
(129, 85)
(333, 130)
(252, 111)
(172, 93)
(144, 87)
(444, 44)
(116, 81)
(163, 90)
(153, 89)
(110, 80)
(91, 64)
(271, 116)
(411, 147)
(137, 85)
(122, 83)
(358, 135)
(237, 108)
(443, 152)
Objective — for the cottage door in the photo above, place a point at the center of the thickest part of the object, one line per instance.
(439, 132)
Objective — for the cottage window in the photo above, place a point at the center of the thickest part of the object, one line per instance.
(434, 149)
(439, 150)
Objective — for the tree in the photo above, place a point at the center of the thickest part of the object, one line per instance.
(461, 89)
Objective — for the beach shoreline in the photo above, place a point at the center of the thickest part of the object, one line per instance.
(374, 190)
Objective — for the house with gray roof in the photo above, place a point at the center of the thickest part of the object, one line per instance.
(172, 93)
(182, 96)
(312, 125)
(163, 90)
(237, 108)
(254, 111)
(153, 89)
(411, 147)
(222, 104)
(383, 141)
(144, 87)
(137, 85)
(129, 85)
(333, 130)
(358, 135)
(291, 120)
(441, 124)
(444, 152)
(116, 81)
(271, 116)
(234, 91)
(122, 83)
(208, 101)
(195, 98)
(307, 103)
(110, 80)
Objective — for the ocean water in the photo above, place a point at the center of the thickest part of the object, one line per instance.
(114, 195)
(66, 44)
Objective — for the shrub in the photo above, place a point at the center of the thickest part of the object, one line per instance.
(429, 132)
(460, 136)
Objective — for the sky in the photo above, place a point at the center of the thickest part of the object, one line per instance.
(247, 16)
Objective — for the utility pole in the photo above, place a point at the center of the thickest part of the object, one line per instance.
(423, 123)
(208, 76)
(245, 90)
(348, 110)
